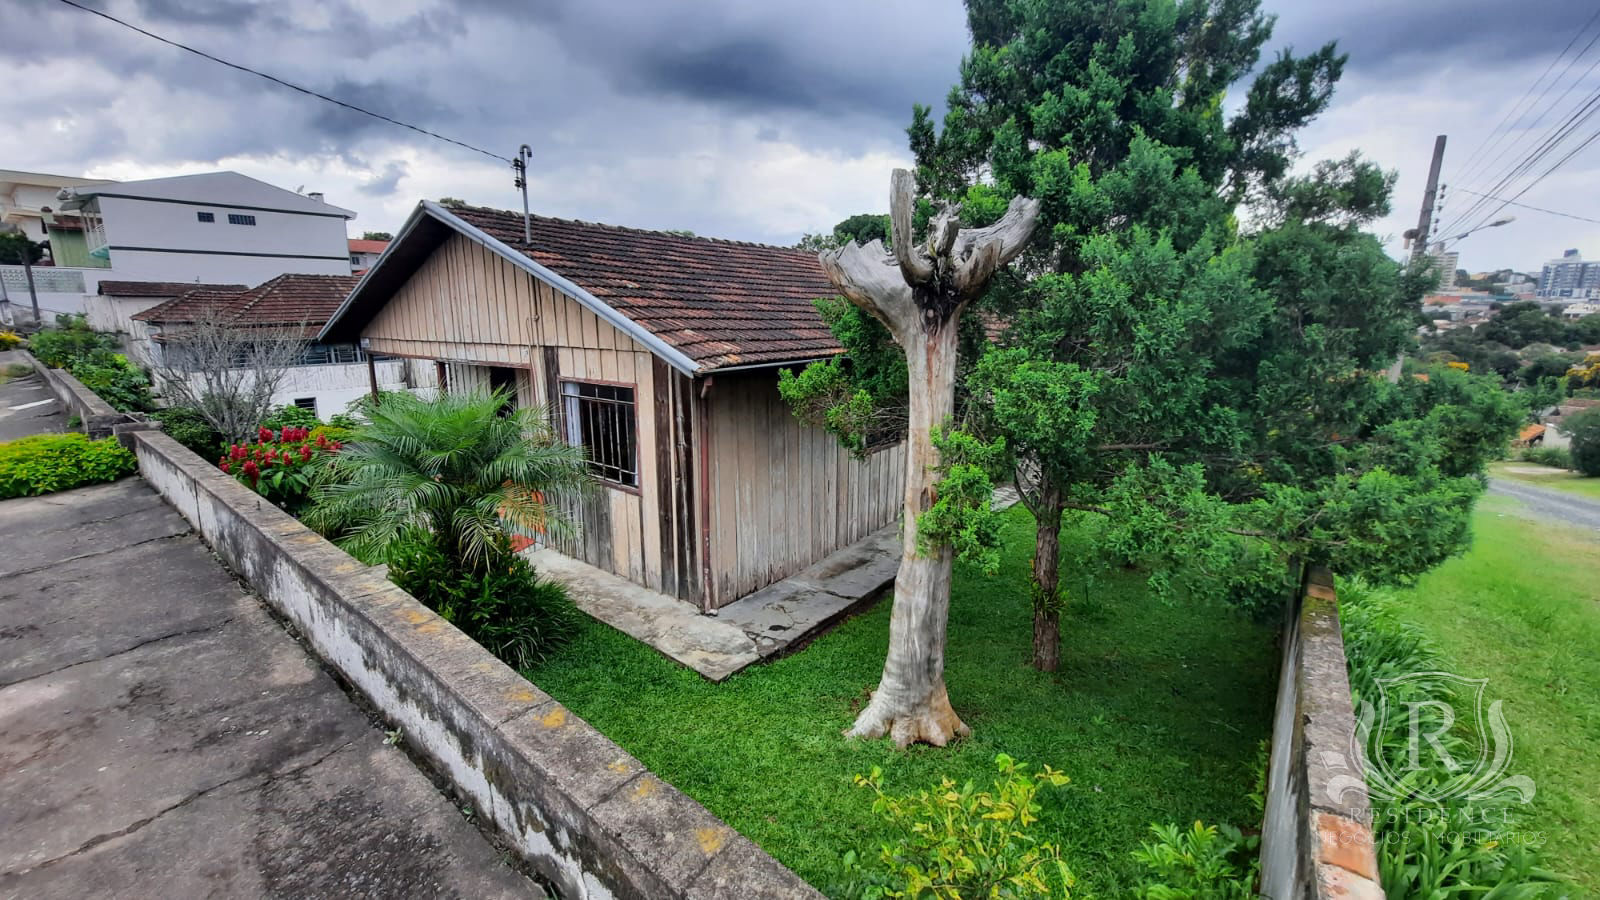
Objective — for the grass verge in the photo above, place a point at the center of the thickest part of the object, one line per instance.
(1156, 715)
(1522, 609)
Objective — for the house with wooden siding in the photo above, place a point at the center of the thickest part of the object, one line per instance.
(656, 352)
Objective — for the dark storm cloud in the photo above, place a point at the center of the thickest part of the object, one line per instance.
(1387, 39)
(386, 183)
(638, 109)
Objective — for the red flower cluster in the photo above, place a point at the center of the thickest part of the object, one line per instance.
(285, 449)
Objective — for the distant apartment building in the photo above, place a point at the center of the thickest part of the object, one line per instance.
(215, 227)
(1569, 278)
(1446, 261)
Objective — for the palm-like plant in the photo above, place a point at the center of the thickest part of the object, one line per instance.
(458, 467)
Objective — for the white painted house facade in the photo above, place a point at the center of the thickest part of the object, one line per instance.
(217, 227)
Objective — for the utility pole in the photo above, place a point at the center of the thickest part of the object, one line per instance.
(5, 303)
(1419, 245)
(520, 166)
(33, 293)
(1419, 237)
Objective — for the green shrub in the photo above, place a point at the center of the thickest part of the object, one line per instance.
(1584, 427)
(1204, 862)
(963, 842)
(113, 379)
(190, 428)
(502, 604)
(1559, 457)
(93, 360)
(45, 463)
(58, 348)
(340, 433)
(290, 416)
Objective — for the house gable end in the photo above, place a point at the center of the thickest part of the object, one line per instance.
(466, 270)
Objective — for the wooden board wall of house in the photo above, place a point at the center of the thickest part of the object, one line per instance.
(710, 488)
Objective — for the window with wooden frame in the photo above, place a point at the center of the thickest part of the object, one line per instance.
(601, 418)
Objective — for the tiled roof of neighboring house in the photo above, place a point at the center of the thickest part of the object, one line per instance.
(359, 245)
(721, 303)
(161, 288)
(188, 306)
(1530, 432)
(305, 300)
(295, 300)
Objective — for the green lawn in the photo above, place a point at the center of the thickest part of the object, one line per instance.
(1548, 476)
(1156, 716)
(1522, 609)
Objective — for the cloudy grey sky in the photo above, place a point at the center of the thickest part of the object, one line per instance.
(751, 120)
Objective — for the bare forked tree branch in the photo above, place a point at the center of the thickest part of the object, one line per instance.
(228, 374)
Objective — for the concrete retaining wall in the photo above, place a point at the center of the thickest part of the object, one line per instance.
(587, 815)
(96, 416)
(1316, 839)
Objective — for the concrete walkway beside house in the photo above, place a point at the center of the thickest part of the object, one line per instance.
(162, 736)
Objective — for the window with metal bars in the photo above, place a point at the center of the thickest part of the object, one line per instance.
(600, 419)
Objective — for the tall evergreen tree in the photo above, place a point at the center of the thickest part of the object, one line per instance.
(1208, 390)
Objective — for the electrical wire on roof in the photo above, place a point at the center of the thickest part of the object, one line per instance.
(288, 84)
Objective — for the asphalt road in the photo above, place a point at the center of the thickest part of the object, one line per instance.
(1549, 505)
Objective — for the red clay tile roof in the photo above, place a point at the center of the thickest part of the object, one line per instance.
(307, 300)
(161, 288)
(722, 303)
(360, 245)
(187, 306)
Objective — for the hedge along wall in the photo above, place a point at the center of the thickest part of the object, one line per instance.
(1316, 840)
(589, 817)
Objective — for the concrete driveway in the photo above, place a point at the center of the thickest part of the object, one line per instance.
(162, 736)
(26, 405)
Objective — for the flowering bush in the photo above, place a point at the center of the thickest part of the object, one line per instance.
(280, 465)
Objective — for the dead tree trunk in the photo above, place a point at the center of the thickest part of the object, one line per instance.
(919, 293)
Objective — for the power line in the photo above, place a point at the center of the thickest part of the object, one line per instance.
(1513, 170)
(1547, 172)
(1496, 134)
(1552, 212)
(290, 85)
(1549, 143)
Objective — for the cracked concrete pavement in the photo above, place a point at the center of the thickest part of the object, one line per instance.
(161, 735)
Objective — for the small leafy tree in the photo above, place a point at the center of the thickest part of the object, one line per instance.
(454, 467)
(1584, 427)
